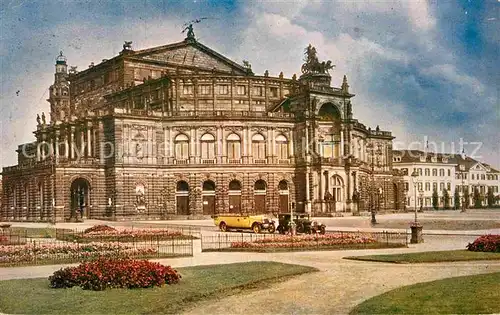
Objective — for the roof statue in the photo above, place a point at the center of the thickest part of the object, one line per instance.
(38, 121)
(312, 64)
(43, 119)
(127, 45)
(188, 26)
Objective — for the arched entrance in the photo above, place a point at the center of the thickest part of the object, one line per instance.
(259, 194)
(208, 194)
(235, 196)
(80, 198)
(182, 198)
(283, 199)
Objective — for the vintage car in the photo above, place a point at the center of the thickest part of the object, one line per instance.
(303, 224)
(257, 223)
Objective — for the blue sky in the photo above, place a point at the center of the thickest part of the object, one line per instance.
(420, 69)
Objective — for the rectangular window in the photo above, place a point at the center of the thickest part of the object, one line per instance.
(420, 172)
(273, 91)
(258, 91)
(448, 186)
(233, 150)
(482, 176)
(441, 186)
(241, 89)
(224, 89)
(434, 186)
(205, 89)
(207, 150)
(427, 186)
(449, 172)
(187, 89)
(259, 150)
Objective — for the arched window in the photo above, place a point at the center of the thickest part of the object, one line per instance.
(337, 187)
(207, 146)
(427, 186)
(441, 172)
(427, 172)
(233, 147)
(259, 146)
(434, 172)
(281, 147)
(181, 147)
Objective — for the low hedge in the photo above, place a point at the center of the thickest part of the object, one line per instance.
(106, 273)
(486, 243)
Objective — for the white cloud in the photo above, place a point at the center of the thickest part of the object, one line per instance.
(449, 72)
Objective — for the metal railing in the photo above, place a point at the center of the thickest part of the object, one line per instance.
(72, 247)
(235, 241)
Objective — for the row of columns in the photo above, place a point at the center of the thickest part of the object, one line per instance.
(48, 143)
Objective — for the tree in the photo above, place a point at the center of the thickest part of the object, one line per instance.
(467, 197)
(456, 198)
(435, 199)
(491, 197)
(477, 198)
(446, 197)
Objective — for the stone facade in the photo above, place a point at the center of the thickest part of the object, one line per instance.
(180, 131)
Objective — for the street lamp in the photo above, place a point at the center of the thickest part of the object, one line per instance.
(416, 228)
(462, 175)
(414, 176)
(374, 151)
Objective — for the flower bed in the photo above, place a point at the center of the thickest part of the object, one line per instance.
(107, 273)
(99, 228)
(32, 252)
(304, 241)
(486, 243)
(104, 233)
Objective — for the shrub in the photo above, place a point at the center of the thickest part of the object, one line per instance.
(99, 228)
(105, 273)
(485, 243)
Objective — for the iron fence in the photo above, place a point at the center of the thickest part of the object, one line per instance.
(332, 240)
(12, 237)
(70, 247)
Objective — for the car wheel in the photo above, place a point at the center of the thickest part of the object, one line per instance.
(271, 228)
(256, 228)
(223, 226)
(300, 228)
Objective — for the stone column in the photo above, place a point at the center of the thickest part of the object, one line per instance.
(218, 140)
(291, 153)
(192, 150)
(245, 142)
(72, 142)
(89, 141)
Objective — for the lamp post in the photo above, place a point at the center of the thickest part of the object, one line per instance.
(416, 228)
(374, 151)
(414, 176)
(462, 176)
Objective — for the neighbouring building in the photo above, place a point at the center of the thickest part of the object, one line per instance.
(182, 131)
(453, 178)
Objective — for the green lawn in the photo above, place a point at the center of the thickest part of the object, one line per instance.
(33, 296)
(429, 257)
(477, 294)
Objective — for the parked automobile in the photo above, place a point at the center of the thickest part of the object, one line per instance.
(303, 224)
(256, 223)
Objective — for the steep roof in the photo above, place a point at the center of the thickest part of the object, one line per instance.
(414, 156)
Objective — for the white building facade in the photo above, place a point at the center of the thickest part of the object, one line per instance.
(455, 178)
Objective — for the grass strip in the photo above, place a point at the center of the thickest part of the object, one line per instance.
(478, 294)
(34, 296)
